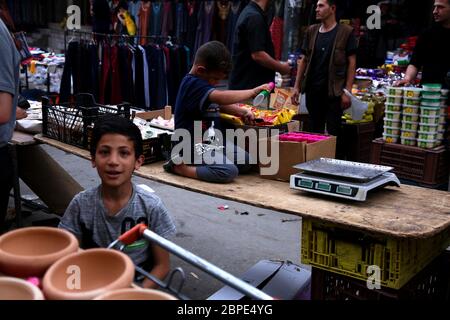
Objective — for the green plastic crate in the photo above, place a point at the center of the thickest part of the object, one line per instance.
(349, 253)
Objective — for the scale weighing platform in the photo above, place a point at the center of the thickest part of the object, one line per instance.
(343, 179)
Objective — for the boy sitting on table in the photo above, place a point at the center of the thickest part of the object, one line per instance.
(98, 216)
(196, 94)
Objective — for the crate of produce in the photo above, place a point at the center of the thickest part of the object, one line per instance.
(392, 123)
(350, 253)
(408, 141)
(393, 107)
(407, 109)
(412, 92)
(432, 284)
(410, 117)
(427, 167)
(409, 125)
(68, 122)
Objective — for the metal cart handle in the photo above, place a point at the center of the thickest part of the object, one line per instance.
(227, 278)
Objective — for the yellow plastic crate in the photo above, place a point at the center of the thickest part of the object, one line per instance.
(349, 253)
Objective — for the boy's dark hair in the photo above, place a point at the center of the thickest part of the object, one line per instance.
(332, 2)
(116, 124)
(214, 56)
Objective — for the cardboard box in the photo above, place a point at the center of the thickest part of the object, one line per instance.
(263, 132)
(293, 153)
(165, 113)
(279, 279)
(159, 148)
(288, 103)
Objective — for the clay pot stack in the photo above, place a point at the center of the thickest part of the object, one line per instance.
(62, 271)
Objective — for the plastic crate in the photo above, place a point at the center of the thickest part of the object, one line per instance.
(358, 138)
(429, 167)
(153, 149)
(349, 253)
(68, 122)
(432, 283)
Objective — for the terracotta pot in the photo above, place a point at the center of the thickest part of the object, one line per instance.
(88, 274)
(135, 294)
(18, 289)
(30, 251)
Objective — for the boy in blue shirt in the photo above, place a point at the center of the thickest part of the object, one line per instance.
(98, 216)
(196, 94)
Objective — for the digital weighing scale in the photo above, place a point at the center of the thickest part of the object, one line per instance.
(343, 179)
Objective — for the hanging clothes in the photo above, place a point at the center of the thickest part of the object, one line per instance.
(205, 23)
(220, 23)
(167, 19)
(144, 21)
(192, 23)
(133, 9)
(147, 76)
(276, 28)
(235, 10)
(70, 80)
(156, 18)
(181, 22)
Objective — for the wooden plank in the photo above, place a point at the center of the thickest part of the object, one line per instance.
(22, 139)
(407, 211)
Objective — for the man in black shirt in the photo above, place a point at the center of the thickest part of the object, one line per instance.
(432, 51)
(253, 52)
(327, 66)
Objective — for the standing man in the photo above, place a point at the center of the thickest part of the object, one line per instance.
(432, 51)
(327, 66)
(9, 92)
(253, 52)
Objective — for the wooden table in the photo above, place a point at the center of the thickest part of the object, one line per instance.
(405, 212)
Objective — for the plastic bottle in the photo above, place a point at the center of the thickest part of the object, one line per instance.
(259, 99)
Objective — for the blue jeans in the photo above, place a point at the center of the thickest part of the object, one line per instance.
(218, 167)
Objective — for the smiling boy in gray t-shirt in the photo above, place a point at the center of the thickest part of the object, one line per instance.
(100, 215)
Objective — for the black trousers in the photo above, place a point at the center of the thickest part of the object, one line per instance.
(6, 183)
(326, 112)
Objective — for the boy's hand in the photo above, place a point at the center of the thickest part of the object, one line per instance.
(257, 90)
(248, 116)
(21, 114)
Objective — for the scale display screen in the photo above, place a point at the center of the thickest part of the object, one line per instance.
(306, 183)
(323, 186)
(327, 187)
(344, 190)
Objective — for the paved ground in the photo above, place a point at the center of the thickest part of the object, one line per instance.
(229, 239)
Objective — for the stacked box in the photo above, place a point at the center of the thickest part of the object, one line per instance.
(443, 112)
(410, 115)
(430, 116)
(394, 100)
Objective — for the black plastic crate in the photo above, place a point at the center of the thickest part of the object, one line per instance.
(69, 122)
(358, 139)
(432, 283)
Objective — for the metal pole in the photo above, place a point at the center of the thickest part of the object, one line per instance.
(208, 267)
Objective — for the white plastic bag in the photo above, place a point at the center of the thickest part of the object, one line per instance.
(357, 108)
